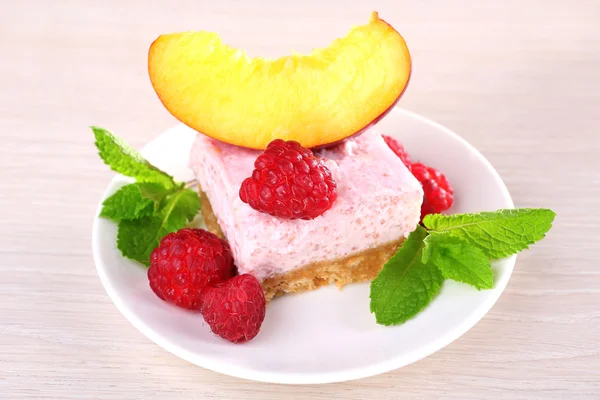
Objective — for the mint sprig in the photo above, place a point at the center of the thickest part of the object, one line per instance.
(458, 260)
(134, 201)
(137, 238)
(498, 234)
(122, 158)
(406, 284)
(148, 209)
(458, 247)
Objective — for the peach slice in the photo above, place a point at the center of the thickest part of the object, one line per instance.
(315, 99)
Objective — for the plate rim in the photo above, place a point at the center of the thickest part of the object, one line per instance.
(317, 378)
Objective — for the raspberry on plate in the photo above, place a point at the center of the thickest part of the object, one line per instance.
(438, 195)
(398, 149)
(235, 309)
(289, 182)
(185, 262)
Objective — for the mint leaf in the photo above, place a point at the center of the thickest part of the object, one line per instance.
(134, 201)
(154, 191)
(406, 284)
(137, 238)
(121, 158)
(458, 260)
(498, 234)
(180, 208)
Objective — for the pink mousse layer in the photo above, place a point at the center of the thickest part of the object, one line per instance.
(378, 202)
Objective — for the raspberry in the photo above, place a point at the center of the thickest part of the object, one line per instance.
(398, 149)
(235, 309)
(289, 182)
(438, 195)
(185, 262)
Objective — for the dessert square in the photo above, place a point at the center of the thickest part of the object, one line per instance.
(378, 204)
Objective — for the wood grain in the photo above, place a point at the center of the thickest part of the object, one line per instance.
(518, 79)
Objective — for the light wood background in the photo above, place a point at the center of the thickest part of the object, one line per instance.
(518, 79)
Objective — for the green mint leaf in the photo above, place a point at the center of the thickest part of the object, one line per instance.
(121, 158)
(137, 238)
(134, 201)
(498, 234)
(155, 191)
(405, 285)
(458, 260)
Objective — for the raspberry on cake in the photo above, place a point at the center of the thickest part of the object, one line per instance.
(378, 203)
(289, 182)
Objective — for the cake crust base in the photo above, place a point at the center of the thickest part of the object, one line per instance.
(358, 267)
(210, 219)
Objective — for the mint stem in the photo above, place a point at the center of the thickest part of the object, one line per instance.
(190, 184)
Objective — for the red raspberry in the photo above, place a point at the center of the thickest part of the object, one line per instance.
(289, 182)
(438, 195)
(235, 309)
(398, 149)
(185, 262)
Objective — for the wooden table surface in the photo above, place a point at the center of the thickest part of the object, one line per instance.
(519, 79)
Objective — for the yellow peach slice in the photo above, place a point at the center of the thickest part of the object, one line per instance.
(315, 99)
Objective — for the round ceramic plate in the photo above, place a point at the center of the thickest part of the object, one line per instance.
(326, 335)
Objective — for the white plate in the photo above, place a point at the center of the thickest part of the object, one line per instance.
(325, 335)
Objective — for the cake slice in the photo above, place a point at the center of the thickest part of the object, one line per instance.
(378, 204)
